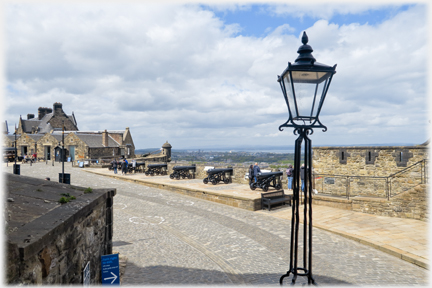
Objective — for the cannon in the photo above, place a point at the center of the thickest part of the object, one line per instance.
(156, 169)
(217, 175)
(183, 172)
(140, 167)
(266, 180)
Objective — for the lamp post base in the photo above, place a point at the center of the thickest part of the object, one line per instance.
(305, 173)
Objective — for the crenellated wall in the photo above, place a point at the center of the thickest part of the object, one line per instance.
(368, 169)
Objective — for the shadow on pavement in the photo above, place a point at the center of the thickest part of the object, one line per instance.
(168, 275)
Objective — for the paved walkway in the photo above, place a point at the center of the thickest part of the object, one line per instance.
(403, 238)
(170, 238)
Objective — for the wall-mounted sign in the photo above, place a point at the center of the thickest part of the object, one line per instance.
(328, 180)
(110, 269)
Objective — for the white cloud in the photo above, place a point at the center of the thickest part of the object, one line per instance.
(177, 73)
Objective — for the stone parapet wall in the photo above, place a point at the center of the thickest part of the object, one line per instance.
(55, 247)
(368, 169)
(410, 204)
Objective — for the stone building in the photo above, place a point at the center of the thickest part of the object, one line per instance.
(43, 136)
(48, 120)
(99, 144)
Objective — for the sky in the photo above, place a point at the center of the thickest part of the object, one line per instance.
(203, 75)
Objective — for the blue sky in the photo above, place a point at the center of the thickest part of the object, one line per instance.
(203, 75)
(258, 20)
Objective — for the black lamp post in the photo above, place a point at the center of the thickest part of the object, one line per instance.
(63, 177)
(304, 85)
(16, 167)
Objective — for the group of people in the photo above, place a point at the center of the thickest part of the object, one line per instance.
(123, 166)
(290, 175)
(254, 170)
(32, 157)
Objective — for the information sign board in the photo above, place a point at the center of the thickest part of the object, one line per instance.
(86, 275)
(110, 269)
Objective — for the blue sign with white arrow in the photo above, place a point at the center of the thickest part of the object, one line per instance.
(110, 269)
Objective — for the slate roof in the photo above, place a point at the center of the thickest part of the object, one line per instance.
(36, 137)
(95, 140)
(43, 124)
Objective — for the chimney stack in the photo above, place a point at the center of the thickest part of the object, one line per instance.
(30, 116)
(42, 111)
(57, 108)
(105, 138)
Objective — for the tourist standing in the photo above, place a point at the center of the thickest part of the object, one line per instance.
(256, 170)
(290, 175)
(133, 165)
(302, 175)
(251, 173)
(114, 165)
(124, 167)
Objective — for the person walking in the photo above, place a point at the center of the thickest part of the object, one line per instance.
(114, 165)
(251, 173)
(124, 167)
(302, 176)
(256, 170)
(290, 175)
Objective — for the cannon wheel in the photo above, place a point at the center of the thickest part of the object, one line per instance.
(252, 186)
(189, 176)
(205, 180)
(183, 176)
(226, 180)
(171, 176)
(265, 188)
(177, 176)
(214, 181)
(146, 173)
(278, 186)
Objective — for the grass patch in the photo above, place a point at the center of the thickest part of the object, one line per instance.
(66, 198)
(88, 190)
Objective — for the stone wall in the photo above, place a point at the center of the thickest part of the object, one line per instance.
(368, 168)
(25, 141)
(410, 204)
(55, 244)
(81, 149)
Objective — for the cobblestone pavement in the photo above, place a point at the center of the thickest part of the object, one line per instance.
(173, 239)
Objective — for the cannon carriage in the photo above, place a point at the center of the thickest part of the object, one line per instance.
(139, 167)
(266, 180)
(156, 169)
(217, 175)
(183, 172)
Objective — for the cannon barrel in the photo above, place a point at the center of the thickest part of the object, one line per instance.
(156, 165)
(219, 170)
(269, 174)
(184, 167)
(140, 163)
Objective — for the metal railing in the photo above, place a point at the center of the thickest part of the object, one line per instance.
(347, 186)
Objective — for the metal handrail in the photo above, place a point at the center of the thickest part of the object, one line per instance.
(424, 178)
(388, 179)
